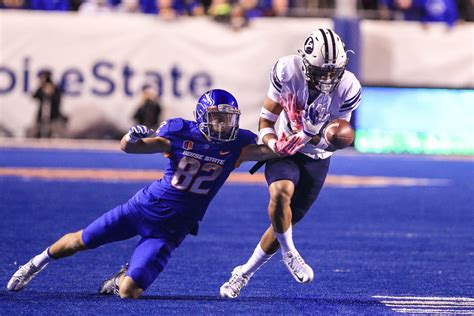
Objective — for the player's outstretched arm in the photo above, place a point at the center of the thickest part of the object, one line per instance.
(257, 153)
(141, 140)
(266, 124)
(282, 145)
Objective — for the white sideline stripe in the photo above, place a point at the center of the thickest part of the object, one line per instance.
(433, 311)
(435, 298)
(439, 302)
(61, 143)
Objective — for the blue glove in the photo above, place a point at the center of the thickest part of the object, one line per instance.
(137, 132)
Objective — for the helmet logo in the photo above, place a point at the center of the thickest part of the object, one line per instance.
(209, 98)
(309, 45)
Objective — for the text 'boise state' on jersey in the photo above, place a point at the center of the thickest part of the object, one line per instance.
(287, 78)
(197, 168)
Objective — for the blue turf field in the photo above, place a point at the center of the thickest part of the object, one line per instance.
(362, 242)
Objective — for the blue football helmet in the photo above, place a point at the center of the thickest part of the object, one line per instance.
(217, 115)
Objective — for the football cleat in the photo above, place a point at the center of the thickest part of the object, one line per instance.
(23, 276)
(111, 286)
(301, 271)
(231, 288)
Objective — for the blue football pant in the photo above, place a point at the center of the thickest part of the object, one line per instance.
(152, 252)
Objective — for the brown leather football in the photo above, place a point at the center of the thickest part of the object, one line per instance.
(339, 133)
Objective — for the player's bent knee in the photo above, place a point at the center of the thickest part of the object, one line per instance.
(281, 192)
(280, 198)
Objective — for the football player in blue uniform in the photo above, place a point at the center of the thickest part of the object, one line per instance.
(202, 154)
(306, 92)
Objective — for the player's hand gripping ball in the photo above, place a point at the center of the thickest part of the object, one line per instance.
(339, 133)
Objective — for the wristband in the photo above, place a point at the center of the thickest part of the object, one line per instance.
(265, 131)
(272, 117)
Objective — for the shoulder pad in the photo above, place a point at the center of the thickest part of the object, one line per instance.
(171, 125)
(349, 82)
(349, 92)
(285, 68)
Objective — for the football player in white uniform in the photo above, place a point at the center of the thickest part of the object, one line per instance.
(306, 91)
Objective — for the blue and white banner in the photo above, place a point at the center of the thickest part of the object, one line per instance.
(103, 61)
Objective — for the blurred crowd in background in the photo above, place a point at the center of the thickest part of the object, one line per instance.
(238, 12)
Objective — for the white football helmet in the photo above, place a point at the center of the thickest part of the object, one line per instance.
(324, 59)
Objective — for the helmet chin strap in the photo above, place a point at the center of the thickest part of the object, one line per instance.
(206, 137)
(317, 86)
(203, 133)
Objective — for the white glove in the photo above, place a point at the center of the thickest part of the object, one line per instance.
(137, 132)
(313, 119)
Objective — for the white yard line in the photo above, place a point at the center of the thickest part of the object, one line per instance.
(436, 298)
(428, 304)
(433, 311)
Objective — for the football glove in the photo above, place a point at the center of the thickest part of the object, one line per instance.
(288, 102)
(313, 119)
(137, 132)
(284, 146)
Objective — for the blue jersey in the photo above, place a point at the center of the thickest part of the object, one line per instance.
(197, 168)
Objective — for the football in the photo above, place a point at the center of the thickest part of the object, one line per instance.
(339, 133)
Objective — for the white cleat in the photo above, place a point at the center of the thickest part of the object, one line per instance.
(23, 276)
(301, 271)
(231, 288)
(110, 286)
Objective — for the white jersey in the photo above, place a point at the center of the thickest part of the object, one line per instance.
(287, 78)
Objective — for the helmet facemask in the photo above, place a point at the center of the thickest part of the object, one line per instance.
(325, 79)
(219, 123)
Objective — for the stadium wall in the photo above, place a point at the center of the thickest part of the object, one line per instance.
(103, 61)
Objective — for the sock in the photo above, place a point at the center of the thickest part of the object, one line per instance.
(42, 259)
(258, 259)
(286, 241)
